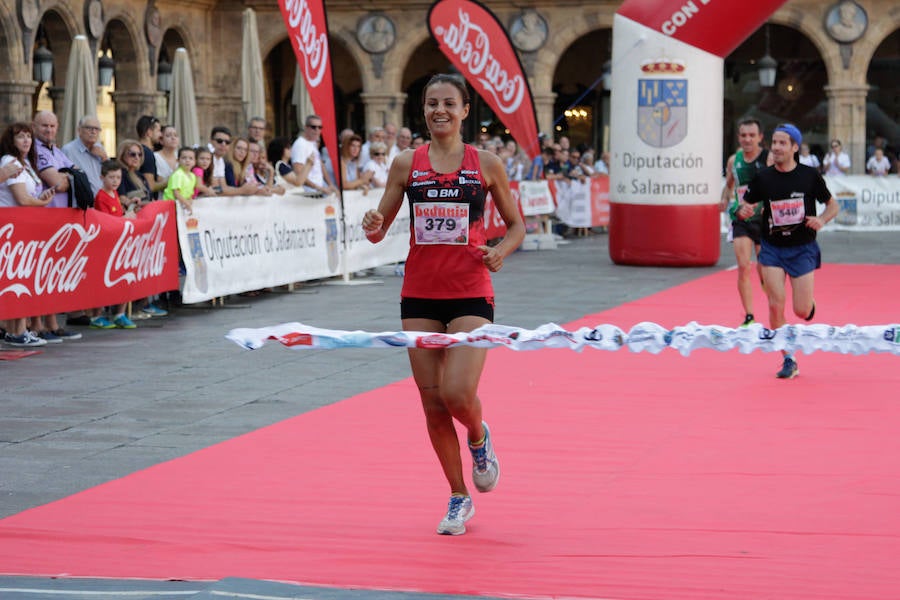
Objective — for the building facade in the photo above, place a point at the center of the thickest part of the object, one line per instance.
(836, 64)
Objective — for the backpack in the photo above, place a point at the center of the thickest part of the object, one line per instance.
(80, 193)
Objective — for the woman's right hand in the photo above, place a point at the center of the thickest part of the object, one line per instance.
(372, 221)
(46, 196)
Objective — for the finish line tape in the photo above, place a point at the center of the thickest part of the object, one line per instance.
(643, 337)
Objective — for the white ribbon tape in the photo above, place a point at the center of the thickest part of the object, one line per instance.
(643, 337)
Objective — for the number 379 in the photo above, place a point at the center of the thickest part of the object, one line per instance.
(440, 224)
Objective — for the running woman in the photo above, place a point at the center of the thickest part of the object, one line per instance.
(447, 286)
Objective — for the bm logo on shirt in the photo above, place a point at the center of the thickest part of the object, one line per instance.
(442, 193)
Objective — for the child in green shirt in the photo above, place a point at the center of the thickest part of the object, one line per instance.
(182, 181)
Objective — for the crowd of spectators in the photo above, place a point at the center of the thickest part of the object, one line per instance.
(155, 166)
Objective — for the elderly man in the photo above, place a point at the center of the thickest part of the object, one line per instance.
(256, 130)
(306, 159)
(376, 134)
(404, 141)
(87, 152)
(50, 159)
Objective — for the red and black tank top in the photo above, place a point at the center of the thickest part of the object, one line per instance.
(446, 213)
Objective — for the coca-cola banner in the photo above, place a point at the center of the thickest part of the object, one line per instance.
(307, 27)
(477, 44)
(63, 259)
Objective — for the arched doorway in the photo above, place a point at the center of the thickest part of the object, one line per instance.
(54, 35)
(116, 123)
(797, 96)
(883, 100)
(581, 108)
(280, 68)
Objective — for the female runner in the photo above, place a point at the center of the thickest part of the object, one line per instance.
(447, 286)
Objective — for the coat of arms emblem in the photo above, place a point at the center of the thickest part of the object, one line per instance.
(662, 103)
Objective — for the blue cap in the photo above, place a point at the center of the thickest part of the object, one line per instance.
(792, 132)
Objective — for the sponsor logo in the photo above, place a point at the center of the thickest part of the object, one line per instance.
(464, 181)
(421, 183)
(312, 44)
(442, 193)
(471, 46)
(435, 340)
(295, 338)
(54, 266)
(137, 257)
(892, 335)
(767, 334)
(393, 340)
(416, 174)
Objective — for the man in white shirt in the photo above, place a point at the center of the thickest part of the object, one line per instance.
(306, 160)
(404, 141)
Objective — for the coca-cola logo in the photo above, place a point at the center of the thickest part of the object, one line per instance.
(312, 44)
(471, 46)
(137, 257)
(52, 266)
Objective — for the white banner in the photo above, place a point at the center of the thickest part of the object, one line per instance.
(535, 198)
(360, 252)
(573, 200)
(235, 244)
(867, 203)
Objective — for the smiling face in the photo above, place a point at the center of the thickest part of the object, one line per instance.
(445, 109)
(749, 137)
(782, 150)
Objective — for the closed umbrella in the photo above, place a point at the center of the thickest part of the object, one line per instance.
(300, 98)
(80, 97)
(253, 93)
(183, 101)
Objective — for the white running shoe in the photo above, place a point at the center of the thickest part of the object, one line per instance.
(459, 510)
(485, 466)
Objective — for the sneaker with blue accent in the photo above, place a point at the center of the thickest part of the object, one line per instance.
(66, 334)
(26, 340)
(50, 337)
(102, 322)
(459, 510)
(789, 369)
(123, 322)
(154, 311)
(485, 466)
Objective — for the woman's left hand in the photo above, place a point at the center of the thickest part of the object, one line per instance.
(492, 259)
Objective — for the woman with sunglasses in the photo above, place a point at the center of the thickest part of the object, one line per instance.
(134, 189)
(377, 164)
(447, 286)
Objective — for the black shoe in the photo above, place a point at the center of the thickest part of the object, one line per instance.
(748, 320)
(79, 321)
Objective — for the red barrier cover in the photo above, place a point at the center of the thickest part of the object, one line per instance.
(64, 259)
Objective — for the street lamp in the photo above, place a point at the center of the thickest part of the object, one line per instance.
(164, 75)
(106, 67)
(768, 66)
(42, 61)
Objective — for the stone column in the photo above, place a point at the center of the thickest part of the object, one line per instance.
(17, 100)
(381, 108)
(847, 121)
(129, 108)
(543, 106)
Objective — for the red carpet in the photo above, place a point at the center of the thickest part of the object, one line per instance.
(624, 476)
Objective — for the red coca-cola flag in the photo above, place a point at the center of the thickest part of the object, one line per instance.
(477, 44)
(307, 27)
(706, 24)
(65, 259)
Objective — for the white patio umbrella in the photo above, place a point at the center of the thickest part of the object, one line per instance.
(80, 97)
(253, 92)
(300, 99)
(183, 101)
